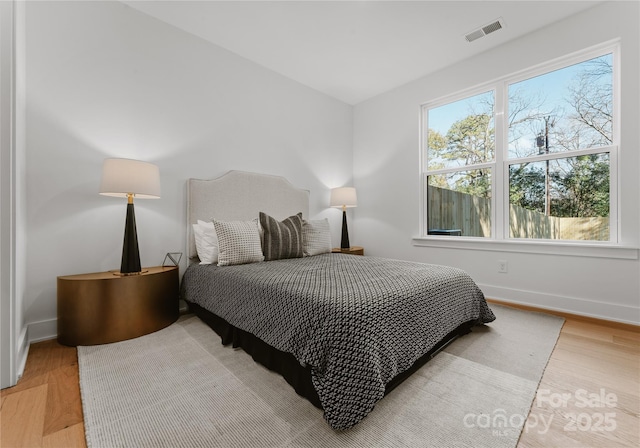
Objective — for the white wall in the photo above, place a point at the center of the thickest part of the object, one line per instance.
(386, 174)
(104, 80)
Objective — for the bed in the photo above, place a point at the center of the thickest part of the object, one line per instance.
(343, 330)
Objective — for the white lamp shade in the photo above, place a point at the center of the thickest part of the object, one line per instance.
(121, 177)
(343, 197)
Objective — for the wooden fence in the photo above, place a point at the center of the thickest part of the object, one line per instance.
(448, 209)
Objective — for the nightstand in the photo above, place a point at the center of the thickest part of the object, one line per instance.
(104, 307)
(353, 250)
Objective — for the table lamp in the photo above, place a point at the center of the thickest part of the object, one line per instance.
(344, 197)
(130, 178)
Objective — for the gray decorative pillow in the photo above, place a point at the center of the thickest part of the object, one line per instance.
(238, 242)
(282, 239)
(316, 237)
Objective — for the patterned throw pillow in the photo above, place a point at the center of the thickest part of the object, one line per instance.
(316, 237)
(282, 239)
(238, 242)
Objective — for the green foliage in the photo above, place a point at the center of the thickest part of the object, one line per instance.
(436, 141)
(470, 140)
(526, 187)
(579, 186)
(584, 191)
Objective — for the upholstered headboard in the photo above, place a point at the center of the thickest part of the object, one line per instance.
(240, 196)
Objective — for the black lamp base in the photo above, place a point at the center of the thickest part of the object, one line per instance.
(344, 242)
(130, 264)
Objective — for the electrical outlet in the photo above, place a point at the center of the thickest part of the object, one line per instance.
(503, 267)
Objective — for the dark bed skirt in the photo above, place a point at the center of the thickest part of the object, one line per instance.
(287, 365)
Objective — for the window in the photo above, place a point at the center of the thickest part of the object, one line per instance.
(527, 157)
(460, 160)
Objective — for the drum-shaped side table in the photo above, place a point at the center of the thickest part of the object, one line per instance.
(104, 307)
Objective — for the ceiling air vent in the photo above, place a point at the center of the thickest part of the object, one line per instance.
(495, 26)
(489, 28)
(477, 34)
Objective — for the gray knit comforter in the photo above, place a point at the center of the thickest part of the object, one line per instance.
(357, 321)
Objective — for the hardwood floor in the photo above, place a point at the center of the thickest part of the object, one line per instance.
(44, 408)
(588, 359)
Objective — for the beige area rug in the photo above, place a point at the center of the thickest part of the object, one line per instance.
(179, 387)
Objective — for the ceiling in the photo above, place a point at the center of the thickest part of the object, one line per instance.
(355, 50)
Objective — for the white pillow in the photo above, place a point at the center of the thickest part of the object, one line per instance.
(316, 237)
(238, 242)
(206, 242)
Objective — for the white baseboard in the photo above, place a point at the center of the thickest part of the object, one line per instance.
(43, 330)
(572, 305)
(23, 352)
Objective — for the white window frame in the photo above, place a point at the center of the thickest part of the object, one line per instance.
(425, 172)
(500, 239)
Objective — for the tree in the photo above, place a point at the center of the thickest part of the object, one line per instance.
(584, 190)
(526, 111)
(579, 186)
(471, 140)
(582, 183)
(591, 97)
(436, 141)
(526, 186)
(468, 141)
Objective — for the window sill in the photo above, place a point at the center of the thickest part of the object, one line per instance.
(604, 250)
